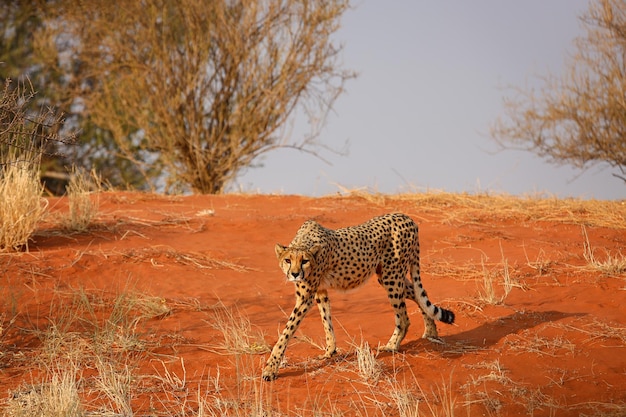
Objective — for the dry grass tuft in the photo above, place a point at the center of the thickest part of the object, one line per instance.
(237, 331)
(24, 138)
(488, 293)
(407, 397)
(370, 370)
(114, 382)
(83, 208)
(21, 205)
(58, 397)
(611, 265)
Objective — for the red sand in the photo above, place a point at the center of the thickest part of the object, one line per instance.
(554, 346)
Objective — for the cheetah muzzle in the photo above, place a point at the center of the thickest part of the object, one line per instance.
(319, 259)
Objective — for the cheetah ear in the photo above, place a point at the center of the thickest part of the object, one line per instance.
(314, 250)
(280, 249)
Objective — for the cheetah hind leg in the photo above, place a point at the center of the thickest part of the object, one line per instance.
(430, 328)
(402, 326)
(401, 316)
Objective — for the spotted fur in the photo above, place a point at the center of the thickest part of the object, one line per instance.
(319, 259)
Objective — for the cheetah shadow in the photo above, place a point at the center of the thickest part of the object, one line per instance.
(313, 365)
(454, 345)
(487, 334)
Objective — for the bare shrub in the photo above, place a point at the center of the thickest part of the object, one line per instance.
(578, 118)
(200, 88)
(24, 138)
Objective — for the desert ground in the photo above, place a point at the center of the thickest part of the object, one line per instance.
(169, 305)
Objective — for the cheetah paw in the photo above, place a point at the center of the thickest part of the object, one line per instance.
(269, 374)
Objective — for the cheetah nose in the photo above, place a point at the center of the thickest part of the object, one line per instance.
(295, 274)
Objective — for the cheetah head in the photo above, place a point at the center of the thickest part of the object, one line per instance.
(296, 263)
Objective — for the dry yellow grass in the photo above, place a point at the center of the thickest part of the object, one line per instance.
(468, 208)
(21, 206)
(83, 207)
(613, 264)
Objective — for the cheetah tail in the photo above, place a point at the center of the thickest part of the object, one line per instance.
(435, 312)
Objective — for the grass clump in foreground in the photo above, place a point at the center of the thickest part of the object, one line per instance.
(92, 348)
(85, 331)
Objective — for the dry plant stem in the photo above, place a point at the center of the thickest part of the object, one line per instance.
(114, 381)
(237, 331)
(369, 368)
(613, 265)
(488, 293)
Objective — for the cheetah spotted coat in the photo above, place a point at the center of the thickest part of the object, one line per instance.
(319, 259)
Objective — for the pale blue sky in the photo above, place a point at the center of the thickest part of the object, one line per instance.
(432, 76)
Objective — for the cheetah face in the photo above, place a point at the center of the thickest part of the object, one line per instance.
(296, 263)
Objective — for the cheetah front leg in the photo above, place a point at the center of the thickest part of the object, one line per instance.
(303, 304)
(323, 303)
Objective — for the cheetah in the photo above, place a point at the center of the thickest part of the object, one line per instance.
(319, 259)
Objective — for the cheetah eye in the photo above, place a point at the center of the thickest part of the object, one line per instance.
(305, 261)
(288, 261)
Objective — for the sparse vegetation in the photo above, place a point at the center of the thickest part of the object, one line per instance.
(91, 352)
(465, 208)
(79, 337)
